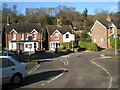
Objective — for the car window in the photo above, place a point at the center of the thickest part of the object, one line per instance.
(11, 63)
(4, 63)
(7, 63)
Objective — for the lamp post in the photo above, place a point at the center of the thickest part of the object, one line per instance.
(115, 36)
(72, 41)
(30, 38)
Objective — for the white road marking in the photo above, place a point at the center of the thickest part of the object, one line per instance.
(65, 61)
(102, 55)
(111, 79)
(34, 69)
(54, 78)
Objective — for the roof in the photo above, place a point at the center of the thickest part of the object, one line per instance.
(62, 29)
(107, 24)
(23, 28)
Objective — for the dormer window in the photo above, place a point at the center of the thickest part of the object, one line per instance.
(56, 36)
(13, 36)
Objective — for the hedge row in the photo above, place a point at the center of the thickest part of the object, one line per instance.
(88, 45)
(67, 45)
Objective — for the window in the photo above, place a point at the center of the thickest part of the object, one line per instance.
(7, 63)
(34, 36)
(94, 40)
(35, 46)
(26, 36)
(22, 36)
(28, 46)
(56, 36)
(67, 35)
(102, 40)
(12, 45)
(13, 36)
(111, 30)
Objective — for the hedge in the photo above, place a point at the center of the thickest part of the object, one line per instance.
(66, 45)
(88, 45)
(112, 42)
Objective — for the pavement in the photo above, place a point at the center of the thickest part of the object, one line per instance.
(42, 55)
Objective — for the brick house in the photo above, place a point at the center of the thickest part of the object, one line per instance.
(102, 31)
(58, 34)
(16, 36)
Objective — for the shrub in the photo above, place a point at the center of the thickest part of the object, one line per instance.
(61, 47)
(91, 46)
(112, 42)
(81, 44)
(88, 45)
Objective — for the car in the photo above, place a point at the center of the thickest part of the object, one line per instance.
(13, 54)
(12, 70)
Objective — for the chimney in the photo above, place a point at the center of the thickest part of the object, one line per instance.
(109, 19)
(59, 22)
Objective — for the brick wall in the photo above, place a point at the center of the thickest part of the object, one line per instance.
(98, 33)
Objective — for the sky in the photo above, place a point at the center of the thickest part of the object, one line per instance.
(80, 6)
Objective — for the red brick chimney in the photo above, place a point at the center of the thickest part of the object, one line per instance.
(59, 21)
(109, 19)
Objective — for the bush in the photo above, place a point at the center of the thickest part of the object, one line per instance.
(61, 47)
(112, 42)
(91, 46)
(88, 45)
(81, 44)
(65, 45)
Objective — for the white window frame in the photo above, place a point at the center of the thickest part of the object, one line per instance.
(56, 36)
(13, 36)
(22, 36)
(26, 36)
(111, 29)
(95, 40)
(66, 36)
(34, 36)
(102, 40)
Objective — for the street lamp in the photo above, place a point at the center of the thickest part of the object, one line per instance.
(116, 52)
(30, 38)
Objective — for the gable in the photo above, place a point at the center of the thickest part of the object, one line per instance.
(56, 31)
(97, 22)
(13, 31)
(34, 31)
(67, 33)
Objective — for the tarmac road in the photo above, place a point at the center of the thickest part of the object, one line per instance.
(73, 71)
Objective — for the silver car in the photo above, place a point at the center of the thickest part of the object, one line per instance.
(12, 70)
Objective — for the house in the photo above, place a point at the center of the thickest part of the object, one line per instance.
(17, 36)
(102, 31)
(57, 34)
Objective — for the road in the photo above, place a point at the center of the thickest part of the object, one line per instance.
(75, 70)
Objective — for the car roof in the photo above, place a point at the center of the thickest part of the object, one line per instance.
(5, 57)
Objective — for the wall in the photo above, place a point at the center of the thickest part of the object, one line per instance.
(71, 37)
(99, 32)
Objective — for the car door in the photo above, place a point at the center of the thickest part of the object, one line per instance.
(8, 69)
